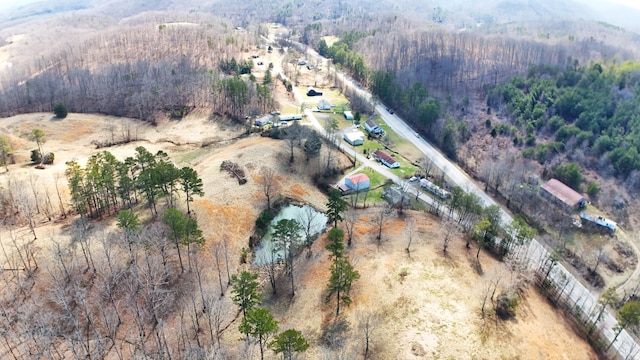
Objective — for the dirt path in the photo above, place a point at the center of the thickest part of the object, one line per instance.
(632, 281)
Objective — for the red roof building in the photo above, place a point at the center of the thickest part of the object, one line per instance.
(386, 159)
(560, 194)
(358, 182)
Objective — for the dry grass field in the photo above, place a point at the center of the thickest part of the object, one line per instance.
(428, 304)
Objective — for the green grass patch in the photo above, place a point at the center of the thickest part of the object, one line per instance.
(375, 178)
(189, 158)
(399, 144)
(333, 96)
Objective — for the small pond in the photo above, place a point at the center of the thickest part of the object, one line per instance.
(299, 213)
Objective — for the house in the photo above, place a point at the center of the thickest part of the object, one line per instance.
(348, 115)
(324, 105)
(372, 127)
(354, 138)
(386, 159)
(561, 195)
(598, 221)
(357, 182)
(289, 117)
(263, 120)
(313, 92)
(394, 195)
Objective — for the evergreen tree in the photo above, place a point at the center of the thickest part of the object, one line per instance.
(335, 207)
(260, 324)
(342, 276)
(60, 111)
(191, 185)
(5, 152)
(245, 291)
(288, 343)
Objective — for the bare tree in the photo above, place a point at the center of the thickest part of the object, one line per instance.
(350, 219)
(381, 217)
(451, 230)
(368, 323)
(269, 183)
(411, 232)
(309, 219)
(403, 188)
(600, 255)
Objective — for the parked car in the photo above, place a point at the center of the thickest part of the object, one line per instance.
(413, 179)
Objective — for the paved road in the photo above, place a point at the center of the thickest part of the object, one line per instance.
(573, 291)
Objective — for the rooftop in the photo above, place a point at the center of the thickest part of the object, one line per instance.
(371, 123)
(561, 191)
(384, 156)
(358, 178)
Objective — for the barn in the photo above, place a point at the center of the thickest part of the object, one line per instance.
(559, 194)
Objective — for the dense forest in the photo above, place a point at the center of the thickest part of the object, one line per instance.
(143, 71)
(588, 114)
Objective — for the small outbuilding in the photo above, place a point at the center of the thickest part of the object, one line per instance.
(348, 115)
(263, 120)
(386, 159)
(559, 194)
(354, 138)
(357, 182)
(313, 92)
(324, 105)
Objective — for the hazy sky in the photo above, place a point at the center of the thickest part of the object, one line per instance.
(630, 3)
(4, 4)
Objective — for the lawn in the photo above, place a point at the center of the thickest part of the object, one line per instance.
(189, 158)
(288, 108)
(333, 96)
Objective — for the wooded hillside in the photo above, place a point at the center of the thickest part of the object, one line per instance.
(144, 70)
(588, 113)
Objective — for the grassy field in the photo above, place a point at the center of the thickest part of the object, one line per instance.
(287, 108)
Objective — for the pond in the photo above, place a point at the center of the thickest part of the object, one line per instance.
(304, 215)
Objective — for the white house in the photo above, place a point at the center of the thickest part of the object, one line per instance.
(386, 159)
(354, 138)
(348, 115)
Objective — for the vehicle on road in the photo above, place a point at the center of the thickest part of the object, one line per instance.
(416, 134)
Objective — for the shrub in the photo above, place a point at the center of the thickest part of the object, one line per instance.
(35, 156)
(263, 220)
(48, 159)
(507, 304)
(60, 110)
(592, 189)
